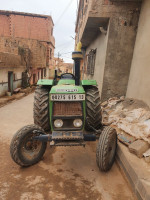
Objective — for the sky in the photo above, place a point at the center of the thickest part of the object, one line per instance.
(63, 13)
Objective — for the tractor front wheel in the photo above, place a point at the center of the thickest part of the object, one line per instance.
(23, 149)
(106, 148)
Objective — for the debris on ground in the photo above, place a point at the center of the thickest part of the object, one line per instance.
(18, 94)
(17, 90)
(131, 119)
(147, 156)
(139, 147)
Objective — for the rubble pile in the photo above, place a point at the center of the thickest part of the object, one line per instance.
(131, 119)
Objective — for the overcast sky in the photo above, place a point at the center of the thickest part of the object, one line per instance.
(63, 13)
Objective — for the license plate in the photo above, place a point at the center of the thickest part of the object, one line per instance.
(67, 97)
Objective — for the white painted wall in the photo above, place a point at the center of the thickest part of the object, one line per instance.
(100, 43)
(139, 80)
(4, 78)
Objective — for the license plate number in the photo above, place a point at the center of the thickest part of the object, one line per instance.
(67, 97)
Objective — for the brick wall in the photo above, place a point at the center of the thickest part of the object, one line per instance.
(4, 25)
(30, 27)
(26, 26)
(9, 60)
(26, 37)
(9, 47)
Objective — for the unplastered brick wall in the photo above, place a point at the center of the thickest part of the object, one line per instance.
(10, 60)
(4, 25)
(9, 47)
(24, 25)
(107, 2)
(30, 27)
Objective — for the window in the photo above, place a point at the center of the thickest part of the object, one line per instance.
(91, 62)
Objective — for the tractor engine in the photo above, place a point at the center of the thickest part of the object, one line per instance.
(67, 103)
(67, 116)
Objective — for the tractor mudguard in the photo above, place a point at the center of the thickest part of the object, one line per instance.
(46, 82)
(88, 83)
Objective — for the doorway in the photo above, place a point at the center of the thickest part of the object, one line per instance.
(34, 79)
(41, 73)
(10, 82)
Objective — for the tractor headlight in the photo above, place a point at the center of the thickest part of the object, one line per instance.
(58, 123)
(77, 123)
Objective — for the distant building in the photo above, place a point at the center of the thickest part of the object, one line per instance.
(26, 46)
(107, 30)
(62, 67)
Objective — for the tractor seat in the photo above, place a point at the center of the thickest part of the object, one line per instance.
(67, 76)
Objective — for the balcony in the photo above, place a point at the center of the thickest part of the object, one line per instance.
(92, 29)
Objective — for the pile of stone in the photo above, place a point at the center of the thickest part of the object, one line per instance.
(131, 119)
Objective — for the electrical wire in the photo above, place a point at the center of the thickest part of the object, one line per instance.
(60, 17)
(66, 53)
(56, 54)
(64, 43)
(66, 57)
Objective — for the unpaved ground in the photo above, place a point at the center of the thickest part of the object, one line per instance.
(64, 173)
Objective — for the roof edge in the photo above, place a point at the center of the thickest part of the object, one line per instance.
(7, 12)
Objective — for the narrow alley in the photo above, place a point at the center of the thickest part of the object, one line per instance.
(64, 173)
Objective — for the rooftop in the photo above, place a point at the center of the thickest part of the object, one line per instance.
(5, 12)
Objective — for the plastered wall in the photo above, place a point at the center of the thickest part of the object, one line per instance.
(139, 80)
(100, 44)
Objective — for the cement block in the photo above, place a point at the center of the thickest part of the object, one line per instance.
(138, 147)
(147, 159)
(147, 156)
(126, 138)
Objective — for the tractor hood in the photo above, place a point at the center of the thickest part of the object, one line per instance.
(65, 89)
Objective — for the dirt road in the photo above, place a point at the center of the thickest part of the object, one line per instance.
(68, 173)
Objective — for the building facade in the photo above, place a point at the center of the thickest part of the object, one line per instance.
(26, 46)
(62, 67)
(107, 30)
(139, 79)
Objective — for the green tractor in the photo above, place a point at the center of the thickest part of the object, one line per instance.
(67, 112)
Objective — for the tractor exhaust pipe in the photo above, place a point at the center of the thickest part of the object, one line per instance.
(77, 57)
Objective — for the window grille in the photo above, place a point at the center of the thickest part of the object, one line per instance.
(91, 62)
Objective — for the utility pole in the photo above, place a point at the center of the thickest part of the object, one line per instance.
(58, 58)
(58, 61)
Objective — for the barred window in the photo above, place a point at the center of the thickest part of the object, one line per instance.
(91, 62)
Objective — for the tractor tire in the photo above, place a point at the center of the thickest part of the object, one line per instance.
(41, 108)
(25, 151)
(93, 109)
(106, 149)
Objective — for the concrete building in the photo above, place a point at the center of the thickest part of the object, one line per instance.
(139, 79)
(26, 46)
(107, 30)
(61, 66)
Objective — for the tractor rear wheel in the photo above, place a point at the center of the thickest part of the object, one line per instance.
(93, 109)
(106, 148)
(41, 108)
(23, 149)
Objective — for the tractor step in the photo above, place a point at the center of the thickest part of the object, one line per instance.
(68, 143)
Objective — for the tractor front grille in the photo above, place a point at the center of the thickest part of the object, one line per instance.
(67, 109)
